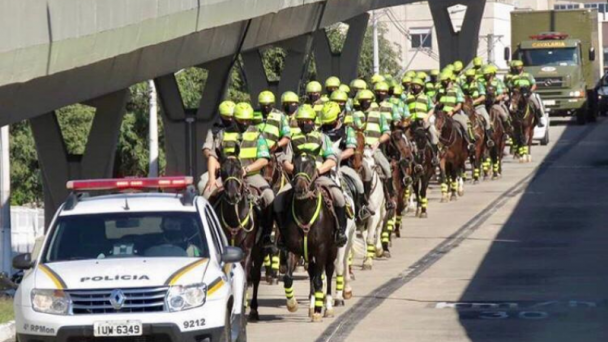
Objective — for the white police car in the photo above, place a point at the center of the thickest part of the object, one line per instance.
(132, 266)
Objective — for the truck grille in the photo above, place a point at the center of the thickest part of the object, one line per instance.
(549, 82)
(86, 302)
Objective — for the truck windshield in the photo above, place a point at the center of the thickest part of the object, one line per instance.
(553, 57)
(120, 235)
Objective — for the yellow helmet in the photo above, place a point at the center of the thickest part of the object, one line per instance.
(516, 63)
(445, 76)
(345, 88)
(388, 78)
(243, 111)
(332, 82)
(418, 82)
(434, 72)
(227, 109)
(398, 90)
(489, 70)
(358, 84)
(266, 97)
(458, 66)
(429, 86)
(477, 61)
(313, 87)
(377, 78)
(306, 112)
(421, 75)
(411, 74)
(381, 86)
(290, 96)
(330, 112)
(470, 72)
(406, 79)
(365, 95)
(339, 95)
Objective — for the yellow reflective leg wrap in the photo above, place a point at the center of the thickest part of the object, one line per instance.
(276, 262)
(371, 251)
(496, 166)
(339, 283)
(407, 194)
(266, 261)
(319, 296)
(398, 221)
(289, 292)
(476, 173)
(444, 187)
(385, 236)
(486, 165)
(455, 185)
(424, 202)
(390, 224)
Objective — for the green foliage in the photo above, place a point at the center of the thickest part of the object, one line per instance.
(26, 179)
(388, 52)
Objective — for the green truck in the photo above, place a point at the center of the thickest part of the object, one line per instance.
(559, 49)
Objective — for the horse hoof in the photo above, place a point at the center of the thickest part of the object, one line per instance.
(454, 198)
(329, 313)
(424, 215)
(339, 302)
(292, 305)
(366, 267)
(348, 294)
(386, 254)
(275, 281)
(397, 234)
(444, 200)
(253, 317)
(317, 317)
(461, 192)
(379, 253)
(282, 269)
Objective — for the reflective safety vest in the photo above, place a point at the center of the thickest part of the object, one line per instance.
(418, 105)
(449, 99)
(311, 144)
(371, 126)
(471, 89)
(522, 80)
(271, 128)
(386, 108)
(248, 143)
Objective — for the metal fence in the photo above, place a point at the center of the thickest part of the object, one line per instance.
(26, 225)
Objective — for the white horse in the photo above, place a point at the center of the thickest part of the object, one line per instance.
(343, 288)
(372, 227)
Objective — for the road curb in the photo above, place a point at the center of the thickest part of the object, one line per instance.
(7, 331)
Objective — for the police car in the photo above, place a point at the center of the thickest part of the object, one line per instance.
(132, 265)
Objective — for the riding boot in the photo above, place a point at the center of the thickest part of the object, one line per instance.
(489, 134)
(341, 238)
(366, 210)
(390, 190)
(266, 223)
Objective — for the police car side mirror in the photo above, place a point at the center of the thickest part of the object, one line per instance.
(592, 53)
(232, 255)
(23, 261)
(507, 53)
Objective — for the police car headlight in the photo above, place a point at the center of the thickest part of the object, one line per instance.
(186, 297)
(54, 302)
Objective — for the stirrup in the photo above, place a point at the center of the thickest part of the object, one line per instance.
(390, 204)
(490, 143)
(365, 213)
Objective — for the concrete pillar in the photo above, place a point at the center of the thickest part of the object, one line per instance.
(457, 45)
(342, 64)
(291, 76)
(58, 166)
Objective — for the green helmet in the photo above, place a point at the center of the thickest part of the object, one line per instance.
(306, 112)
(429, 86)
(477, 61)
(339, 96)
(365, 95)
(345, 88)
(227, 109)
(330, 112)
(266, 97)
(470, 72)
(398, 90)
(313, 87)
(458, 66)
(517, 63)
(421, 75)
(377, 78)
(388, 78)
(418, 82)
(381, 86)
(411, 74)
(489, 70)
(449, 67)
(290, 96)
(332, 82)
(406, 80)
(358, 84)
(243, 111)
(434, 72)
(445, 76)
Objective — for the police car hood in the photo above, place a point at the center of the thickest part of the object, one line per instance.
(120, 273)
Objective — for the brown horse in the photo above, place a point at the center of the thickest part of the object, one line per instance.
(497, 151)
(453, 156)
(523, 122)
(423, 169)
(308, 227)
(480, 137)
(241, 223)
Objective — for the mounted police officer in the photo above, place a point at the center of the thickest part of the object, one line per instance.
(475, 89)
(522, 79)
(451, 101)
(420, 106)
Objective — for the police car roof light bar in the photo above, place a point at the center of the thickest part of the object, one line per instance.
(181, 182)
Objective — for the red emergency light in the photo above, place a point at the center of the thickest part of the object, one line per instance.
(130, 183)
(549, 36)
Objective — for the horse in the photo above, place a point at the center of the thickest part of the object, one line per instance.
(241, 223)
(480, 137)
(453, 157)
(372, 226)
(523, 122)
(308, 227)
(423, 169)
(497, 151)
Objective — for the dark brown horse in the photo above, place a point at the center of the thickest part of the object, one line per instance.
(523, 122)
(308, 227)
(241, 223)
(423, 169)
(453, 156)
(480, 137)
(496, 151)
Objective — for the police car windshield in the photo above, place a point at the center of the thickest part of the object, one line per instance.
(550, 57)
(130, 235)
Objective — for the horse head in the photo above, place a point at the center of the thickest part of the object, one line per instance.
(490, 95)
(519, 101)
(357, 159)
(305, 172)
(232, 179)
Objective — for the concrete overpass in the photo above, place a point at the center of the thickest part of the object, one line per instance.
(56, 53)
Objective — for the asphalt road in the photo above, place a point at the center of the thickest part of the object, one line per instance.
(518, 259)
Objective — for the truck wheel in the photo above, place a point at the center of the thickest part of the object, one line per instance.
(581, 116)
(545, 140)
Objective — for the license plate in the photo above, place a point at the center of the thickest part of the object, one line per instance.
(549, 102)
(117, 328)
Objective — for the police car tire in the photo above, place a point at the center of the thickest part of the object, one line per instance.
(226, 335)
(243, 329)
(545, 140)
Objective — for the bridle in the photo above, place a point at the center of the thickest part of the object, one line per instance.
(246, 224)
(308, 183)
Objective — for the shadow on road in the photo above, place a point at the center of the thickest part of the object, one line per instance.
(551, 282)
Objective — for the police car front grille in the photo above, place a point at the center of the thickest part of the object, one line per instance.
(87, 302)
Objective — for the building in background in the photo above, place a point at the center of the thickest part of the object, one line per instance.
(411, 27)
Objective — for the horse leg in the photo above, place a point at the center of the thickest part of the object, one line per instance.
(329, 302)
(444, 181)
(389, 226)
(348, 292)
(340, 265)
(487, 162)
(256, 276)
(423, 199)
(315, 271)
(292, 303)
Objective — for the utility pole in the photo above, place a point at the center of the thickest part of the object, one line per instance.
(6, 251)
(375, 43)
(153, 130)
(491, 40)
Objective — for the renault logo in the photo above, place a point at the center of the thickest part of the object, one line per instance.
(117, 299)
